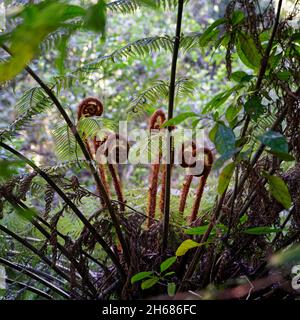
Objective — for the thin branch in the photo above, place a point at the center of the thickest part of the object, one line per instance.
(35, 277)
(35, 251)
(169, 136)
(27, 287)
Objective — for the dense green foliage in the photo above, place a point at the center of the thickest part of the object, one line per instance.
(237, 79)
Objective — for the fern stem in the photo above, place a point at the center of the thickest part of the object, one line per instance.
(152, 193)
(25, 286)
(163, 190)
(117, 186)
(34, 276)
(30, 247)
(184, 192)
(198, 197)
(166, 221)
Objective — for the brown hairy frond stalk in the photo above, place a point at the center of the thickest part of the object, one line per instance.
(155, 123)
(115, 148)
(208, 162)
(186, 157)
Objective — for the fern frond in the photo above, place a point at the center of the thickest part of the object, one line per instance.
(95, 126)
(130, 6)
(160, 91)
(66, 146)
(148, 97)
(123, 6)
(139, 48)
(63, 167)
(33, 102)
(16, 126)
(184, 87)
(34, 99)
(190, 41)
(64, 82)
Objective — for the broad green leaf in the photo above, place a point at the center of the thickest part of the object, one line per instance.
(171, 289)
(241, 76)
(243, 219)
(279, 190)
(95, 18)
(224, 157)
(210, 32)
(180, 118)
(185, 246)
(149, 283)
(261, 230)
(237, 17)
(9, 168)
(232, 114)
(26, 213)
(275, 140)
(283, 75)
(283, 156)
(225, 177)
(254, 108)
(167, 263)
(201, 230)
(141, 275)
(247, 51)
(220, 99)
(224, 139)
(37, 22)
(289, 256)
(169, 274)
(197, 230)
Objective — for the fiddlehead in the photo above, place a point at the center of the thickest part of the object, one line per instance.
(90, 107)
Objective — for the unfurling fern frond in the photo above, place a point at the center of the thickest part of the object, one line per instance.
(159, 92)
